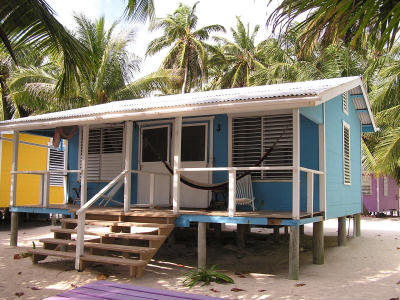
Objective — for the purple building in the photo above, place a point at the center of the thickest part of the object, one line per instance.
(380, 194)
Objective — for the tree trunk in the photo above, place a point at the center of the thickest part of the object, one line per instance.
(185, 75)
(5, 106)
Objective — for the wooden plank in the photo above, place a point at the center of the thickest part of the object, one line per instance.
(133, 236)
(113, 260)
(47, 252)
(118, 223)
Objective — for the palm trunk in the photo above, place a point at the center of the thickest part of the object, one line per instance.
(5, 106)
(185, 75)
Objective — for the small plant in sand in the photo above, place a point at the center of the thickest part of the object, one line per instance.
(206, 276)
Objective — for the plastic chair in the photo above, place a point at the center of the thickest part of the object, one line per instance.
(244, 191)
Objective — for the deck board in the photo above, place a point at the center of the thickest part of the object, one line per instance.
(107, 290)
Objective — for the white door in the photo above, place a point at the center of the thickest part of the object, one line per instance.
(194, 155)
(154, 143)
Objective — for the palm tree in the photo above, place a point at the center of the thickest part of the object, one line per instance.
(355, 22)
(188, 53)
(241, 58)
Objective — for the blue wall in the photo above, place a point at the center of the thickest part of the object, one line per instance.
(342, 199)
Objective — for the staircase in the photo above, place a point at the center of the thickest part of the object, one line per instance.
(111, 237)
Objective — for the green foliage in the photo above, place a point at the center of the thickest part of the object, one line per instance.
(206, 276)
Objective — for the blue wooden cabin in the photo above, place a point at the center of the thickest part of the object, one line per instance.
(312, 173)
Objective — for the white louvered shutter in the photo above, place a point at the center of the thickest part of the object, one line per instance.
(56, 162)
(345, 99)
(366, 185)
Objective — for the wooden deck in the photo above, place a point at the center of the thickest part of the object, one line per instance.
(107, 290)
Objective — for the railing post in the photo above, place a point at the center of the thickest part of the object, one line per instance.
(176, 187)
(14, 168)
(322, 165)
(41, 190)
(151, 192)
(296, 165)
(128, 165)
(46, 189)
(232, 193)
(80, 241)
(310, 193)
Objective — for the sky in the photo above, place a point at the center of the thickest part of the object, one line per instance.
(222, 12)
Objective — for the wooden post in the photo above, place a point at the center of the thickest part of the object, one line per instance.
(296, 165)
(357, 224)
(322, 164)
(14, 229)
(318, 243)
(152, 189)
(14, 168)
(84, 163)
(176, 186)
(286, 230)
(232, 193)
(128, 165)
(294, 253)
(201, 246)
(301, 228)
(341, 231)
(240, 235)
(46, 189)
(217, 232)
(80, 241)
(276, 233)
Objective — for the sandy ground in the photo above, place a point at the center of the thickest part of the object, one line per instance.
(366, 268)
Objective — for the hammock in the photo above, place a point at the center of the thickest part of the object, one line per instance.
(221, 186)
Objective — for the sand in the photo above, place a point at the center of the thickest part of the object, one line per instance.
(368, 267)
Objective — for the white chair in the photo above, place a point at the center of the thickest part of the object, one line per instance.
(244, 191)
(108, 197)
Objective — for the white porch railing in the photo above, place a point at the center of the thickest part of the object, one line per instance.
(44, 191)
(232, 183)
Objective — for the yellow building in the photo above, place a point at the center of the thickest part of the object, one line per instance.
(35, 154)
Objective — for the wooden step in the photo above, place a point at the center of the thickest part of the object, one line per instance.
(40, 254)
(119, 224)
(111, 247)
(132, 236)
(135, 266)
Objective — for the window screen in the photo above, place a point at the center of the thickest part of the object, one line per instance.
(346, 154)
(155, 144)
(193, 143)
(252, 137)
(56, 162)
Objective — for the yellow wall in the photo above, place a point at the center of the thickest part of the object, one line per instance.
(30, 158)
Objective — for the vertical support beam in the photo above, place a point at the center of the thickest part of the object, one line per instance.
(322, 164)
(310, 193)
(294, 253)
(151, 192)
(296, 165)
(84, 163)
(318, 243)
(217, 232)
(65, 177)
(128, 165)
(14, 168)
(378, 196)
(232, 193)
(14, 229)
(201, 245)
(176, 179)
(357, 224)
(46, 189)
(341, 231)
(240, 235)
(276, 233)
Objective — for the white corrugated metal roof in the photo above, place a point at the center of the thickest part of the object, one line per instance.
(290, 94)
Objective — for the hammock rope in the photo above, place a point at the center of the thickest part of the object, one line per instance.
(221, 186)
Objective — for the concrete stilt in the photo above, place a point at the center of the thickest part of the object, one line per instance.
(318, 243)
(294, 253)
(276, 233)
(341, 231)
(201, 245)
(14, 229)
(357, 224)
(240, 235)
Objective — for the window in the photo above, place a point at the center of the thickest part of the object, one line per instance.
(193, 143)
(385, 186)
(366, 185)
(345, 98)
(155, 144)
(105, 153)
(56, 162)
(252, 137)
(346, 154)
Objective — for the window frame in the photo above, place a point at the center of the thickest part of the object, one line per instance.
(141, 142)
(205, 142)
(346, 126)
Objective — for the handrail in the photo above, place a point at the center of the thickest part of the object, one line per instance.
(307, 170)
(39, 172)
(265, 168)
(100, 193)
(149, 173)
